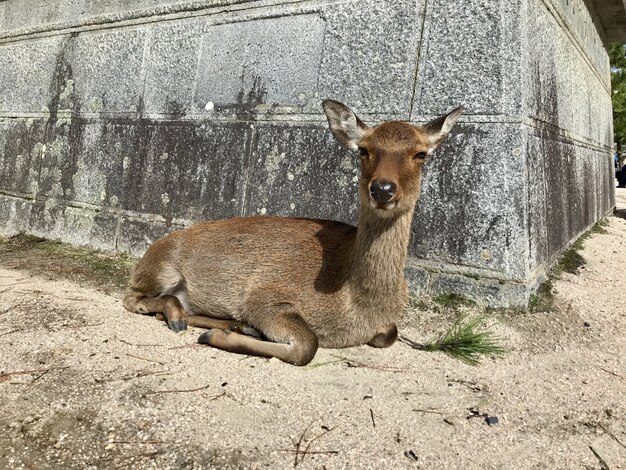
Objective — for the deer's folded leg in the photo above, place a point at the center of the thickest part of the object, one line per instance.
(384, 337)
(290, 339)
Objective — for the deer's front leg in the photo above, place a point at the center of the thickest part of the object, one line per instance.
(289, 337)
(384, 337)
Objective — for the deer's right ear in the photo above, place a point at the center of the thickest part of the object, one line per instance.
(347, 128)
(438, 129)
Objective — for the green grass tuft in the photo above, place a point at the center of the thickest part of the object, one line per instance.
(544, 299)
(467, 341)
(570, 261)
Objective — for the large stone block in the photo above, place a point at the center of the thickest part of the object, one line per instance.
(88, 73)
(472, 210)
(171, 68)
(15, 215)
(370, 54)
(24, 14)
(75, 225)
(106, 70)
(470, 55)
(483, 291)
(49, 219)
(302, 171)
(136, 234)
(26, 72)
(194, 172)
(238, 66)
(21, 149)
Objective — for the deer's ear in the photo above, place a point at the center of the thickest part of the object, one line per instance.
(347, 128)
(438, 129)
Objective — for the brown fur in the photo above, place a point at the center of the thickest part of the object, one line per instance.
(301, 283)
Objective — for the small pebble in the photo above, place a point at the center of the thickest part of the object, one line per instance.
(587, 324)
(492, 420)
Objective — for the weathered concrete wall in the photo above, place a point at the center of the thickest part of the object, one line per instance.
(121, 121)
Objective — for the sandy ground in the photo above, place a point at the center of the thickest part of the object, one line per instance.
(85, 384)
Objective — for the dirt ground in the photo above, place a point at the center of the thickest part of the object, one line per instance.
(86, 384)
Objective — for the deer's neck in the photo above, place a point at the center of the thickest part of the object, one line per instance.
(378, 259)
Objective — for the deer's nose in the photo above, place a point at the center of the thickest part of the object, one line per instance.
(382, 191)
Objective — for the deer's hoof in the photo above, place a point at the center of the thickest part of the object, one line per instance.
(177, 325)
(205, 338)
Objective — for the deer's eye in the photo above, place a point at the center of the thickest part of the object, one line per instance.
(419, 156)
(363, 152)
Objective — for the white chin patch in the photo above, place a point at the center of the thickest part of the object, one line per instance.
(383, 207)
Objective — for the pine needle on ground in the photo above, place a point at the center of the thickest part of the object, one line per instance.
(465, 340)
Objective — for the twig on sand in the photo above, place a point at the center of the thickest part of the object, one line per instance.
(4, 376)
(372, 416)
(73, 327)
(11, 331)
(409, 342)
(299, 443)
(301, 454)
(136, 345)
(190, 345)
(612, 373)
(146, 359)
(140, 373)
(17, 283)
(310, 452)
(612, 435)
(435, 412)
(156, 441)
(129, 460)
(306, 449)
(154, 392)
(354, 363)
(603, 464)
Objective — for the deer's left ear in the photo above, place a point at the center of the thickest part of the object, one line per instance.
(438, 129)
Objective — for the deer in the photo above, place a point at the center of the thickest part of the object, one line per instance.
(283, 287)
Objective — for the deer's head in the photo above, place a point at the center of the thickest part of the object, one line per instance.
(392, 155)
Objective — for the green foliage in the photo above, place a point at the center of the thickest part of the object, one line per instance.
(571, 259)
(467, 341)
(543, 300)
(617, 57)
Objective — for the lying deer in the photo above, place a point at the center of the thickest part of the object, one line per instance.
(282, 287)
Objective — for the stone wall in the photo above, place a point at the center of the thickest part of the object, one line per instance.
(122, 121)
